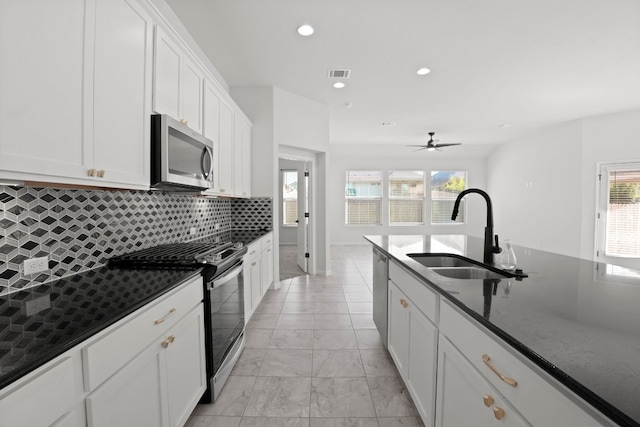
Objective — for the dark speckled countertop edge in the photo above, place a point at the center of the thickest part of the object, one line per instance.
(14, 375)
(607, 409)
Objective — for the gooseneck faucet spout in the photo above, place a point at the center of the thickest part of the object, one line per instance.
(489, 248)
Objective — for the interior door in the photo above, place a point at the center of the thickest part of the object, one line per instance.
(303, 217)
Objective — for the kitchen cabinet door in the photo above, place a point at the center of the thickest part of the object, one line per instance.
(211, 128)
(226, 152)
(255, 274)
(41, 87)
(136, 396)
(119, 125)
(191, 88)
(464, 397)
(398, 328)
(186, 371)
(242, 157)
(267, 268)
(166, 79)
(422, 363)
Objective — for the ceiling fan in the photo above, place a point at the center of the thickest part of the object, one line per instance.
(431, 144)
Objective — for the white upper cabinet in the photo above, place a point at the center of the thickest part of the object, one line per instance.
(41, 57)
(121, 101)
(242, 156)
(211, 128)
(225, 151)
(178, 83)
(75, 84)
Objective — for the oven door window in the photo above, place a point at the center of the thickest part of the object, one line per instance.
(227, 314)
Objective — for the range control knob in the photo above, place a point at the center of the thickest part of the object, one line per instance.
(238, 245)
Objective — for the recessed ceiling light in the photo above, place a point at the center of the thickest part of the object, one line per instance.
(423, 71)
(338, 85)
(305, 30)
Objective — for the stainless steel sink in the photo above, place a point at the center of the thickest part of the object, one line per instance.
(468, 273)
(441, 260)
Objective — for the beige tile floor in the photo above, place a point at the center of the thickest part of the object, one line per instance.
(313, 358)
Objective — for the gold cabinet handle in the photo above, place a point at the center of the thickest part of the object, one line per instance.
(498, 412)
(100, 173)
(488, 400)
(487, 361)
(165, 317)
(222, 190)
(168, 341)
(252, 264)
(184, 121)
(91, 172)
(268, 250)
(252, 252)
(404, 303)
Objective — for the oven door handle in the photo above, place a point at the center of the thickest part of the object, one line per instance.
(229, 275)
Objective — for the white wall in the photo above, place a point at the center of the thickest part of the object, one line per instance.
(300, 122)
(610, 138)
(544, 186)
(343, 159)
(534, 183)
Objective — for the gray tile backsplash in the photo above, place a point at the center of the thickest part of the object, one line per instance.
(82, 229)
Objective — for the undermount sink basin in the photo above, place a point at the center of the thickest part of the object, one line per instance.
(441, 260)
(471, 272)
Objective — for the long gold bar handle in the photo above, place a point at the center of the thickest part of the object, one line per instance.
(168, 341)
(487, 361)
(498, 412)
(162, 319)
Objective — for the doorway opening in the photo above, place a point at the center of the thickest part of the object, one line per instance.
(294, 218)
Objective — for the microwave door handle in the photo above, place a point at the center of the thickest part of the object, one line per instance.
(206, 173)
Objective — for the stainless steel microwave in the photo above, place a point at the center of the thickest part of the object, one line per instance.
(181, 159)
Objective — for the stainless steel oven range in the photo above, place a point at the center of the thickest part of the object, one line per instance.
(223, 298)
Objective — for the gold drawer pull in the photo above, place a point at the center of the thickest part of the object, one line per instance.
(100, 173)
(498, 412)
(91, 172)
(488, 400)
(168, 341)
(404, 303)
(222, 190)
(252, 264)
(162, 319)
(487, 361)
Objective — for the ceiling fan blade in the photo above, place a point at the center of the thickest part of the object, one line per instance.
(420, 149)
(421, 145)
(449, 144)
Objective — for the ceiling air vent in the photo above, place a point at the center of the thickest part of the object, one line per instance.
(339, 74)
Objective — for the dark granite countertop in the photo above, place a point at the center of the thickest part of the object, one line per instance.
(578, 320)
(40, 323)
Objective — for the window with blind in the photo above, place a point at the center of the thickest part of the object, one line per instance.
(289, 197)
(363, 198)
(622, 210)
(445, 187)
(406, 197)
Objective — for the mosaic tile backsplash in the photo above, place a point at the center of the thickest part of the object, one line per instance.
(81, 229)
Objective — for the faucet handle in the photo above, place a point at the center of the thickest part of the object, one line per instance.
(497, 249)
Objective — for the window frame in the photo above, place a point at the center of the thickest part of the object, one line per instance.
(462, 213)
(391, 198)
(283, 172)
(348, 197)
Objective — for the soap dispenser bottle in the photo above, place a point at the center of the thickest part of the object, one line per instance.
(507, 260)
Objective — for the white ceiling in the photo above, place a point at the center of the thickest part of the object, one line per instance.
(524, 63)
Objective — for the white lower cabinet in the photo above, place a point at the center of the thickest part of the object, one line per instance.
(258, 273)
(465, 398)
(45, 397)
(161, 386)
(412, 344)
(266, 261)
(459, 374)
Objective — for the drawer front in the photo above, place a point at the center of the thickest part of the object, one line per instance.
(267, 241)
(103, 357)
(43, 399)
(423, 298)
(537, 399)
(254, 250)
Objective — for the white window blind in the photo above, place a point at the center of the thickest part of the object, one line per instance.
(289, 197)
(363, 197)
(445, 187)
(406, 197)
(623, 214)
